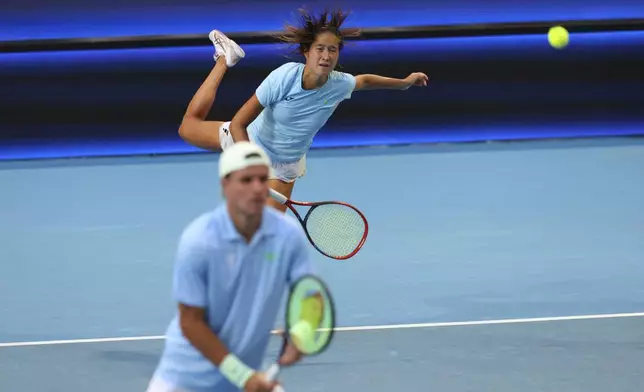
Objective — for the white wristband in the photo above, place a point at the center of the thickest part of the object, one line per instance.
(235, 371)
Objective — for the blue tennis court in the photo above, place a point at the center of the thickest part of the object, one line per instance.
(485, 235)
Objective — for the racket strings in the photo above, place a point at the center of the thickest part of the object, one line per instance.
(336, 230)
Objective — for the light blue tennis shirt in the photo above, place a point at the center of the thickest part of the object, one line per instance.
(241, 285)
(292, 116)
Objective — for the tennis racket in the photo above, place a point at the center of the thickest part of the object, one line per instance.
(309, 323)
(336, 229)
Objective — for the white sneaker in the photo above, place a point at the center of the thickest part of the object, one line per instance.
(219, 49)
(225, 46)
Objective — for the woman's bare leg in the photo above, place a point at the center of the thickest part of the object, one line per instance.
(285, 188)
(194, 128)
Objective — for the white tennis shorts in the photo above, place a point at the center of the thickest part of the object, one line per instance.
(286, 172)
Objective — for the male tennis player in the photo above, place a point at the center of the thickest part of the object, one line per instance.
(233, 266)
(291, 105)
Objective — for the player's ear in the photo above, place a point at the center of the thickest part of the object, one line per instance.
(306, 50)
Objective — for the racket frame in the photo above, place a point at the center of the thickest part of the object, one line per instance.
(291, 203)
(274, 369)
(329, 302)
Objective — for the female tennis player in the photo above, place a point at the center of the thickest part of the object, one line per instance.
(291, 105)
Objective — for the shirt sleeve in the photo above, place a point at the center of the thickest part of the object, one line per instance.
(190, 274)
(271, 90)
(301, 263)
(347, 83)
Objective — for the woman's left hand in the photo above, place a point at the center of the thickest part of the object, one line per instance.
(417, 79)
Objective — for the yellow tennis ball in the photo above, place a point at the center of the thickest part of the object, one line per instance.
(558, 37)
(311, 310)
(303, 335)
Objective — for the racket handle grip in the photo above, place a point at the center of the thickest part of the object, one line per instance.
(278, 196)
(271, 374)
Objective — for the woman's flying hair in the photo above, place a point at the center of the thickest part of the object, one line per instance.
(310, 26)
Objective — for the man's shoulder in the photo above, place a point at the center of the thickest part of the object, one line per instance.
(203, 228)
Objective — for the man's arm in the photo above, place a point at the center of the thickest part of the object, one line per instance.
(194, 328)
(377, 82)
(191, 292)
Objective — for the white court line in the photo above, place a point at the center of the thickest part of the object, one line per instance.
(352, 329)
(80, 341)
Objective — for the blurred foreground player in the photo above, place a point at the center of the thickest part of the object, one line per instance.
(232, 268)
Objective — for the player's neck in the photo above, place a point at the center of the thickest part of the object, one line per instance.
(311, 81)
(246, 225)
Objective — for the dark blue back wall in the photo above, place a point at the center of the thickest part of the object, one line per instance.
(520, 79)
(30, 19)
(481, 88)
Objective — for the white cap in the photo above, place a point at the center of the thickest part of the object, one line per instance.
(240, 156)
